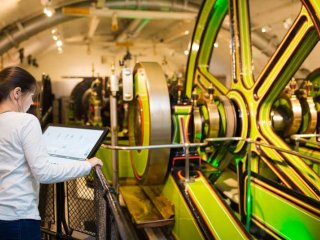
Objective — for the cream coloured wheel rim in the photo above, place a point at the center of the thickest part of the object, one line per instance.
(150, 123)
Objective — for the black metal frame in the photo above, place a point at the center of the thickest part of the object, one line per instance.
(110, 220)
(116, 224)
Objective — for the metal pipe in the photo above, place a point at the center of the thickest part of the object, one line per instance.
(131, 28)
(133, 14)
(114, 88)
(31, 28)
(308, 141)
(206, 143)
(295, 153)
(187, 164)
(124, 228)
(40, 22)
(222, 139)
(154, 146)
(298, 136)
(312, 159)
(155, 4)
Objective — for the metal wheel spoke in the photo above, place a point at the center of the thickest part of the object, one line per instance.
(241, 44)
(295, 47)
(254, 99)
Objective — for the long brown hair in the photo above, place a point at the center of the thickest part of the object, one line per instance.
(12, 77)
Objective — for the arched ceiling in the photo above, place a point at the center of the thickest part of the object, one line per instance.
(142, 26)
(21, 20)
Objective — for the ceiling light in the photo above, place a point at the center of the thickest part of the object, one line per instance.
(55, 34)
(54, 31)
(59, 43)
(287, 23)
(60, 50)
(57, 37)
(216, 45)
(186, 32)
(265, 29)
(48, 11)
(195, 47)
(186, 52)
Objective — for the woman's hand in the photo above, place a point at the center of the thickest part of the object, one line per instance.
(95, 161)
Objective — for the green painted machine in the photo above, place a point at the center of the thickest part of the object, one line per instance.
(226, 159)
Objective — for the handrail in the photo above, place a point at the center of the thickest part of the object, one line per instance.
(308, 141)
(109, 194)
(206, 142)
(295, 153)
(300, 138)
(186, 146)
(154, 146)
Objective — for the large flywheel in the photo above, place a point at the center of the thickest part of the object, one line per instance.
(150, 123)
(263, 112)
(257, 107)
(252, 117)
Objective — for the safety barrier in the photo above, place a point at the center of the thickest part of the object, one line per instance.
(110, 218)
(106, 214)
(207, 142)
(95, 212)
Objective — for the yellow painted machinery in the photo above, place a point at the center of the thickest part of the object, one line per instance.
(232, 158)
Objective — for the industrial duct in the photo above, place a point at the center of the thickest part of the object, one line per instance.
(30, 28)
(24, 30)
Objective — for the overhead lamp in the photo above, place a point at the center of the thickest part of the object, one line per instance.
(265, 29)
(59, 43)
(55, 37)
(60, 50)
(195, 47)
(186, 52)
(55, 34)
(47, 9)
(216, 45)
(54, 31)
(287, 23)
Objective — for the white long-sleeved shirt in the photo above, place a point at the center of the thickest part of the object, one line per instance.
(24, 164)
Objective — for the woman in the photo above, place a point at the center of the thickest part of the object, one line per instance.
(24, 159)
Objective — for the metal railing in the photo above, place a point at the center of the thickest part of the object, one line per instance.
(186, 146)
(110, 218)
(111, 221)
(206, 142)
(297, 138)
